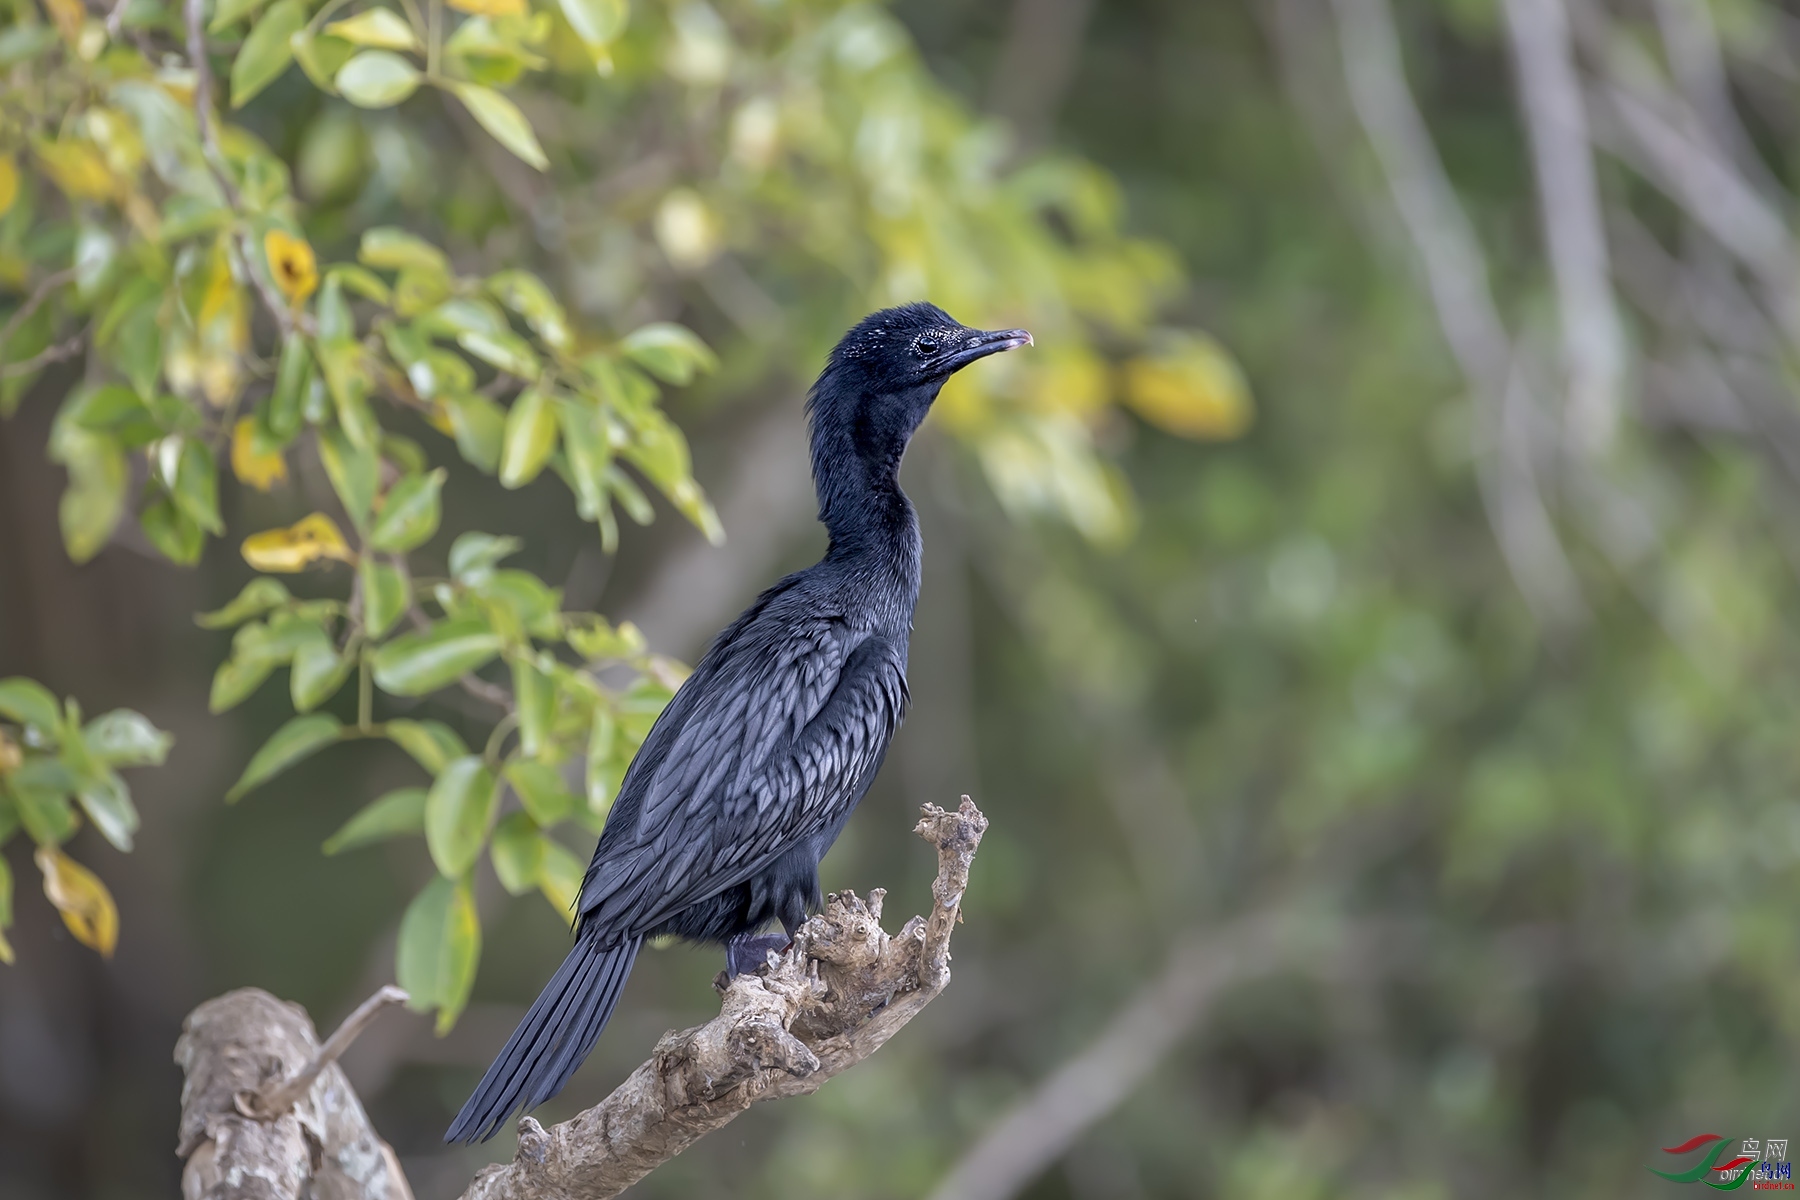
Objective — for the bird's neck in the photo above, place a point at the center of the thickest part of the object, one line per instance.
(856, 471)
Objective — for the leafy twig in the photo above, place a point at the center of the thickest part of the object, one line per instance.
(44, 357)
(32, 302)
(286, 319)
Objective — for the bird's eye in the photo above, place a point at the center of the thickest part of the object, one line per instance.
(927, 346)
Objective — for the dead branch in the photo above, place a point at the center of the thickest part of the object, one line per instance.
(321, 1146)
(832, 1000)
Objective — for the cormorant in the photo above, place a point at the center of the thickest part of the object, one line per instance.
(749, 774)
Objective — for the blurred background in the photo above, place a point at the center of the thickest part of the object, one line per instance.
(1367, 621)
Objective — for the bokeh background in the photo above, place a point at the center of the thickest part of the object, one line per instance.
(1411, 769)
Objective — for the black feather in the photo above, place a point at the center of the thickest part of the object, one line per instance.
(749, 774)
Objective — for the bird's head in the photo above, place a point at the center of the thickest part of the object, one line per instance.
(898, 350)
(881, 378)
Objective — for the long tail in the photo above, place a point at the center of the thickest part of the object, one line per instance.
(551, 1041)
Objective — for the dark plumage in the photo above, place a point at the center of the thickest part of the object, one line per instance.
(751, 771)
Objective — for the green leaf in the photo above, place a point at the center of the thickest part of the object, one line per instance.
(385, 594)
(440, 943)
(473, 555)
(535, 694)
(524, 601)
(605, 766)
(258, 597)
(526, 295)
(596, 22)
(530, 437)
(480, 428)
(299, 738)
(108, 805)
(463, 314)
(661, 453)
(432, 743)
(362, 281)
(540, 789)
(416, 663)
(29, 702)
(458, 812)
(230, 12)
(283, 414)
(409, 515)
(40, 792)
(517, 853)
(396, 814)
(596, 638)
(235, 680)
(321, 57)
(123, 738)
(502, 118)
(589, 452)
(560, 879)
(336, 322)
(104, 407)
(347, 378)
(266, 52)
(172, 531)
(318, 672)
(196, 490)
(418, 289)
(502, 350)
(354, 473)
(670, 352)
(377, 79)
(379, 27)
(392, 248)
(95, 498)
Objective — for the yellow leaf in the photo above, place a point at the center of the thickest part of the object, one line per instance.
(86, 906)
(68, 16)
(285, 551)
(291, 264)
(261, 469)
(77, 168)
(1189, 386)
(489, 8)
(9, 183)
(224, 326)
(6, 950)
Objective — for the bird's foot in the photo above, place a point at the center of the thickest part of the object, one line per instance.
(748, 953)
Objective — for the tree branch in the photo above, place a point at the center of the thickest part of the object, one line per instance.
(39, 294)
(1040, 1129)
(841, 991)
(322, 1145)
(1456, 277)
(831, 1001)
(1569, 207)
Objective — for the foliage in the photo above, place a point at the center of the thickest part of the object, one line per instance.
(179, 252)
(55, 769)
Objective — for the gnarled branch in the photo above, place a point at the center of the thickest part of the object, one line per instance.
(841, 991)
